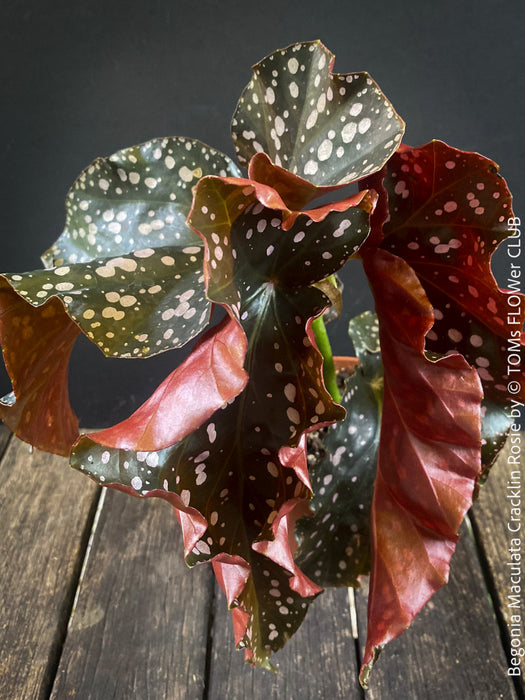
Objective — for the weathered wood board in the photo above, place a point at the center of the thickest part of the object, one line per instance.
(453, 648)
(144, 626)
(318, 662)
(46, 512)
(499, 508)
(140, 623)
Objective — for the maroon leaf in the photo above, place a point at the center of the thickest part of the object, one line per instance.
(210, 377)
(449, 211)
(429, 456)
(36, 344)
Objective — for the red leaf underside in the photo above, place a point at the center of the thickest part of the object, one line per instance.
(37, 343)
(211, 376)
(429, 456)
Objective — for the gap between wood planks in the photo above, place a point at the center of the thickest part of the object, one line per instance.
(475, 532)
(74, 589)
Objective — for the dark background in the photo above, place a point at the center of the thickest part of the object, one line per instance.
(79, 79)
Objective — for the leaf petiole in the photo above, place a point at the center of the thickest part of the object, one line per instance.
(324, 347)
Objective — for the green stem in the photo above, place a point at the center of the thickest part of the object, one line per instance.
(323, 343)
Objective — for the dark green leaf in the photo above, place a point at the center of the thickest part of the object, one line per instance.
(135, 199)
(495, 425)
(329, 128)
(128, 269)
(335, 543)
(135, 305)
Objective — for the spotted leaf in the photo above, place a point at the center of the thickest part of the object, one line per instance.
(449, 210)
(429, 456)
(230, 475)
(135, 305)
(36, 344)
(335, 543)
(326, 127)
(257, 244)
(127, 271)
(244, 469)
(135, 199)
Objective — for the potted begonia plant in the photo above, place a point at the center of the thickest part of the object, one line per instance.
(159, 235)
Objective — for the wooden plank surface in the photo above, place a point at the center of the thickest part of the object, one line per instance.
(140, 623)
(460, 644)
(318, 662)
(46, 509)
(453, 648)
(491, 515)
(5, 435)
(140, 627)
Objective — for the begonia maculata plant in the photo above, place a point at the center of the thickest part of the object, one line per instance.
(159, 234)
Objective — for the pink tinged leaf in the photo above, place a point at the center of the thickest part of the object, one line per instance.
(294, 190)
(282, 546)
(37, 343)
(429, 456)
(449, 211)
(231, 572)
(229, 469)
(295, 458)
(227, 212)
(192, 523)
(240, 625)
(211, 376)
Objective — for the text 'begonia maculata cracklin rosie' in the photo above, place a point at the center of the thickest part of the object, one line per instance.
(159, 234)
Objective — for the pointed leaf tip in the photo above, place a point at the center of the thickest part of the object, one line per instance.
(429, 456)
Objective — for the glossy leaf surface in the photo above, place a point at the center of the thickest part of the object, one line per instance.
(326, 127)
(429, 456)
(449, 211)
(135, 199)
(335, 543)
(135, 305)
(495, 425)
